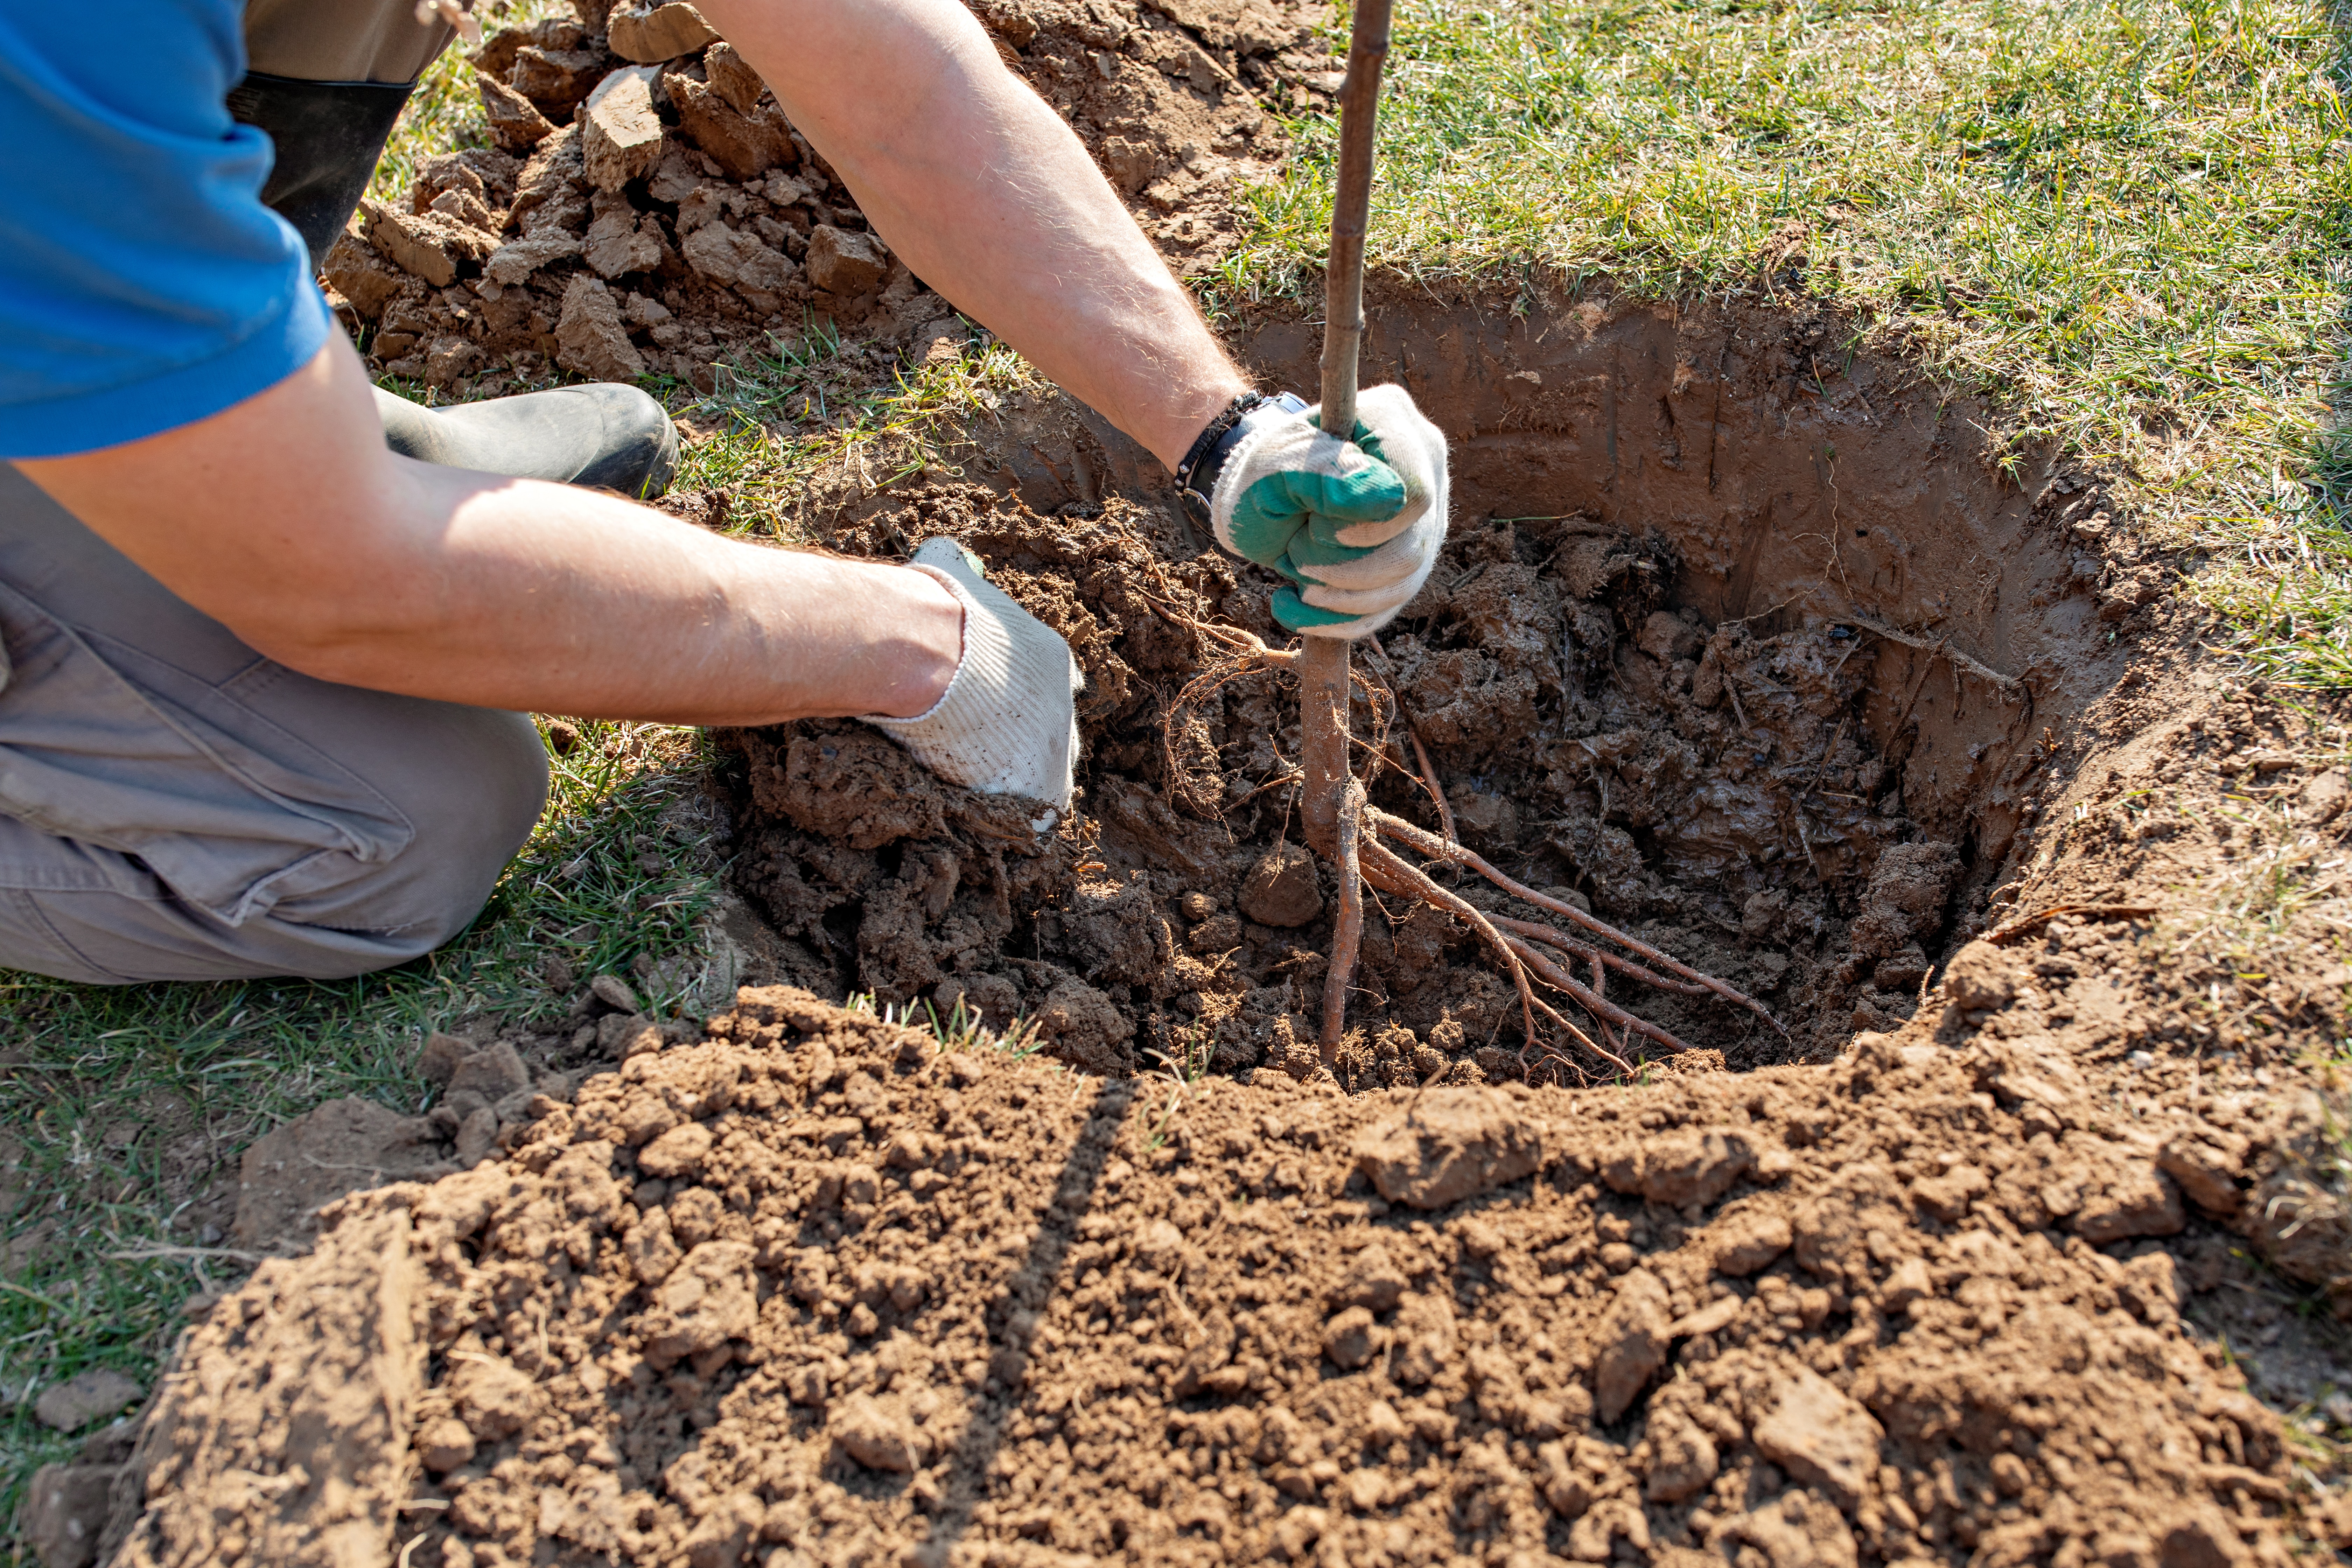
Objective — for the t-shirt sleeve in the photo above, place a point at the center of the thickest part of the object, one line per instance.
(142, 284)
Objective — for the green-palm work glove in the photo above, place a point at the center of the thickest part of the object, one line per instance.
(1355, 525)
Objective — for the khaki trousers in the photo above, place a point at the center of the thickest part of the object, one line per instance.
(175, 806)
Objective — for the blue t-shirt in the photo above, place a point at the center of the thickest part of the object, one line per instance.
(142, 284)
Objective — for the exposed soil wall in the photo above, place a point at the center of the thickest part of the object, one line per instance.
(812, 1290)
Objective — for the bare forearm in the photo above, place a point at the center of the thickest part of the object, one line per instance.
(286, 519)
(535, 596)
(991, 200)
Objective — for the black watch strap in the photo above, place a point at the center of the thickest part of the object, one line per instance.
(1196, 476)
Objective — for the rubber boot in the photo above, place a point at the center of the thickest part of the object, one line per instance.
(604, 435)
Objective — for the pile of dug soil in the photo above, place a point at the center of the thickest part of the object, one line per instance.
(811, 1290)
(648, 208)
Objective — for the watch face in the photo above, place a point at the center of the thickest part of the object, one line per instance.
(1196, 506)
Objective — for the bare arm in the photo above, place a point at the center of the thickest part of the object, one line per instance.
(286, 519)
(991, 200)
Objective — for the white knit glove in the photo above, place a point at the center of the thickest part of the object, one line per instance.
(1008, 722)
(1355, 525)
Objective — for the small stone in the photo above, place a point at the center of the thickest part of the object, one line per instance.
(445, 1445)
(86, 1396)
(844, 261)
(1283, 890)
(440, 1058)
(614, 992)
(658, 33)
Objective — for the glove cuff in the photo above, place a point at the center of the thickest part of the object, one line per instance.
(982, 674)
(1213, 450)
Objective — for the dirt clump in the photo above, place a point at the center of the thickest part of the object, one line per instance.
(887, 1303)
(488, 1094)
(655, 214)
(1203, 927)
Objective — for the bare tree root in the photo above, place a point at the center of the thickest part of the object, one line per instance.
(1245, 654)
(1348, 934)
(1591, 1001)
(1438, 849)
(1391, 874)
(1434, 785)
(1525, 948)
(1596, 957)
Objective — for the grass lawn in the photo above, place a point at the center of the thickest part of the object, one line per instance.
(2130, 223)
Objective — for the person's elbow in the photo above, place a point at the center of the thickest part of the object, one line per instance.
(354, 608)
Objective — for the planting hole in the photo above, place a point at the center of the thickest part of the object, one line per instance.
(1743, 641)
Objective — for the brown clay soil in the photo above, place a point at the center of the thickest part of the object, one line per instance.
(699, 225)
(813, 1290)
(1762, 656)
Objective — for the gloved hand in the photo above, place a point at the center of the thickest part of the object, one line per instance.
(1355, 524)
(1007, 723)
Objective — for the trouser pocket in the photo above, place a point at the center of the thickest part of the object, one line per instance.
(107, 745)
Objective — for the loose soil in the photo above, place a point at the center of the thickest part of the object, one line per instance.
(696, 225)
(813, 1290)
(1762, 675)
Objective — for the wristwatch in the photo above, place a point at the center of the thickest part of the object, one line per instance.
(1196, 476)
